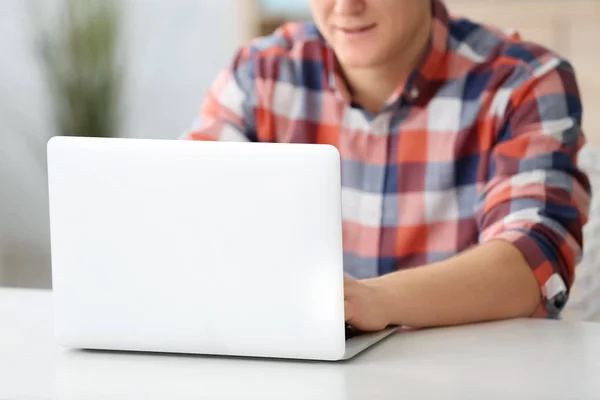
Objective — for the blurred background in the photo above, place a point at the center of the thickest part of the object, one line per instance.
(145, 65)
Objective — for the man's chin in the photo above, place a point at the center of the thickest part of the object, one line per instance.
(356, 61)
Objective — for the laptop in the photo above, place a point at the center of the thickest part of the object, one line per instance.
(213, 248)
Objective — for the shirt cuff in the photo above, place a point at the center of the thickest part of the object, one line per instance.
(548, 270)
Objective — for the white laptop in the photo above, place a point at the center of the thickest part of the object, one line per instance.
(195, 247)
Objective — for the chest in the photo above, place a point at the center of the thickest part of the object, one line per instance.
(439, 146)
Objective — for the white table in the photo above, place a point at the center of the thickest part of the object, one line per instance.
(533, 359)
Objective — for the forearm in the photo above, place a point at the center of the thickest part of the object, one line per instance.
(489, 282)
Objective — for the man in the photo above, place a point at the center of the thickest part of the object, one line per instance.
(462, 200)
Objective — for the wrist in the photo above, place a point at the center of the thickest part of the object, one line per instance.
(386, 294)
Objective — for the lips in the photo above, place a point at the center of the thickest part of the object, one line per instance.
(356, 30)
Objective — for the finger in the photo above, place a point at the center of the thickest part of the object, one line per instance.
(349, 290)
(350, 286)
(348, 281)
(347, 311)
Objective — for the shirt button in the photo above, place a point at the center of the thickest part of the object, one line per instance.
(414, 93)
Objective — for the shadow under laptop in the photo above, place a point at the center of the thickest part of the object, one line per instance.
(105, 374)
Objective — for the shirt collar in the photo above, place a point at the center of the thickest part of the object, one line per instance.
(430, 68)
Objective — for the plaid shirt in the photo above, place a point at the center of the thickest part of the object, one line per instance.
(480, 143)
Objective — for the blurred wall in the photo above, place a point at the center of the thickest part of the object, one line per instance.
(174, 50)
(285, 7)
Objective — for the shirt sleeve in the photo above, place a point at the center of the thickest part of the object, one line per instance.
(228, 110)
(537, 198)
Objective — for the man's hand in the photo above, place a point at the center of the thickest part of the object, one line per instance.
(366, 304)
(489, 282)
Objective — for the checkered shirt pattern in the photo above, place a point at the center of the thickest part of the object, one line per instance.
(480, 143)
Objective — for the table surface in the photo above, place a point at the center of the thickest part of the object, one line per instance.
(509, 359)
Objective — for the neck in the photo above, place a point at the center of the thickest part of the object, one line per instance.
(371, 87)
